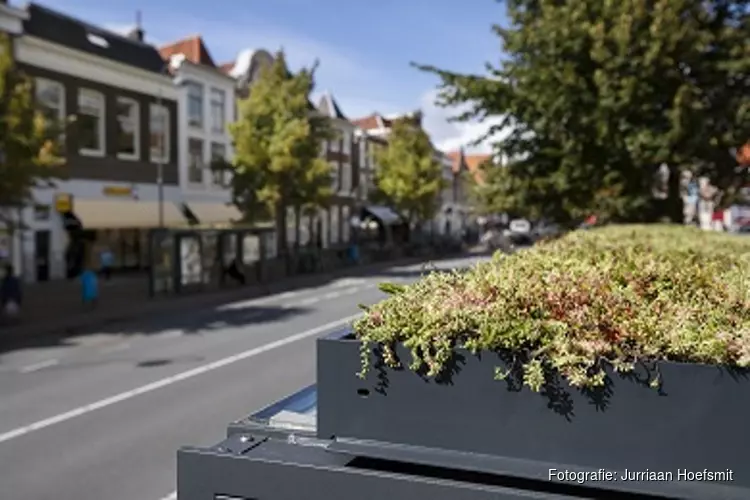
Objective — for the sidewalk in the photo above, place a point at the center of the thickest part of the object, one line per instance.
(60, 312)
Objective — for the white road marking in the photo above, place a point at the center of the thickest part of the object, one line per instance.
(170, 334)
(171, 496)
(124, 396)
(353, 290)
(308, 301)
(331, 295)
(348, 282)
(116, 348)
(242, 304)
(39, 366)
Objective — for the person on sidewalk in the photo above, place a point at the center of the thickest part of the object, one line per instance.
(10, 293)
(89, 288)
(236, 271)
(106, 260)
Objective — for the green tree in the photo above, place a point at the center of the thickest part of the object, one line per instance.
(409, 177)
(277, 139)
(597, 94)
(29, 145)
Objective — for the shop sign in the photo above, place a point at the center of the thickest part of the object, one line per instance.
(64, 202)
(117, 191)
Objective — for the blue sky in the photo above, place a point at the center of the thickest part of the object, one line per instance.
(364, 47)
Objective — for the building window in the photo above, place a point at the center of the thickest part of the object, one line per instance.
(128, 136)
(159, 133)
(50, 96)
(90, 123)
(195, 104)
(346, 178)
(334, 175)
(347, 144)
(324, 149)
(345, 224)
(219, 152)
(333, 146)
(334, 225)
(371, 152)
(363, 185)
(195, 159)
(41, 212)
(218, 106)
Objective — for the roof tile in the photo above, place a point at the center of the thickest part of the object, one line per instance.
(368, 122)
(473, 163)
(192, 48)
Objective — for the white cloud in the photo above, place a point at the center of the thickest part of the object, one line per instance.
(359, 87)
(451, 136)
(225, 40)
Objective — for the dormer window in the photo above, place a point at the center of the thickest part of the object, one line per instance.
(176, 60)
(97, 40)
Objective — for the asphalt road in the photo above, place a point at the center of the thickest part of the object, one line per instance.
(100, 417)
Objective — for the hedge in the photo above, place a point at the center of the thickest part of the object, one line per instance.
(608, 297)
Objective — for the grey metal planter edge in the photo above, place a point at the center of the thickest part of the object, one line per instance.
(692, 426)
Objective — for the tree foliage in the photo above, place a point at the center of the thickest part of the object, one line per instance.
(277, 139)
(409, 178)
(598, 93)
(29, 145)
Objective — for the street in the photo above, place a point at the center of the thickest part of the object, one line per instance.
(101, 416)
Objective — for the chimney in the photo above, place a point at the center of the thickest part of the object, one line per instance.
(137, 32)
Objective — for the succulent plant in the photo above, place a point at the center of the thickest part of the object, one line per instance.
(609, 297)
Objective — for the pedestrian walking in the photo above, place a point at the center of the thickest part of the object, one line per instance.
(10, 293)
(89, 288)
(106, 261)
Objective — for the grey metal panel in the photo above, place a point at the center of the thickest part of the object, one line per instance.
(535, 471)
(295, 413)
(698, 421)
(279, 471)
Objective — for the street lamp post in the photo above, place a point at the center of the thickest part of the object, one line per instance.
(160, 160)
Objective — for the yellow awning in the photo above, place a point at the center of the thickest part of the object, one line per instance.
(215, 213)
(119, 214)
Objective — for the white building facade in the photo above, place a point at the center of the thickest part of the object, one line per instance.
(206, 105)
(11, 18)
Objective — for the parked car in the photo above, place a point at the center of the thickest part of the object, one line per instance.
(544, 230)
(519, 232)
(494, 239)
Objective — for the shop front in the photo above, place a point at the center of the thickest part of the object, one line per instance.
(200, 259)
(89, 218)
